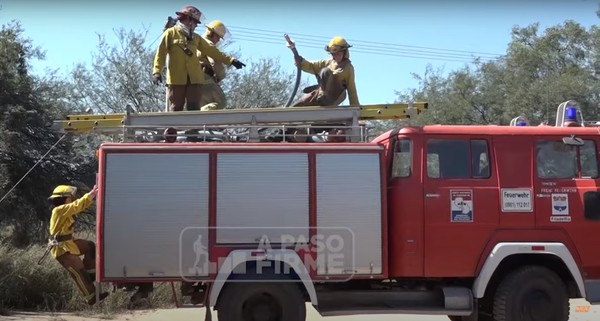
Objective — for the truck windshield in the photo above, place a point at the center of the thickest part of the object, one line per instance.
(557, 160)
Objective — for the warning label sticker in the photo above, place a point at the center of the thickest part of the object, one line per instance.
(517, 200)
(461, 205)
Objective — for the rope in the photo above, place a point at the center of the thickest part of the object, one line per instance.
(32, 167)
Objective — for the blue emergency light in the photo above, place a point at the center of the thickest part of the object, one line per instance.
(521, 123)
(571, 114)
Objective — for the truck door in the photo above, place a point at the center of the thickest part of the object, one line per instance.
(568, 197)
(405, 211)
(461, 202)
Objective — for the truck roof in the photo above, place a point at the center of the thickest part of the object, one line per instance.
(493, 130)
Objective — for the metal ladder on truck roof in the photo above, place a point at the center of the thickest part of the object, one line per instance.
(132, 126)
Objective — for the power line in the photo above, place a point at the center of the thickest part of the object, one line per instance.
(372, 51)
(313, 43)
(246, 30)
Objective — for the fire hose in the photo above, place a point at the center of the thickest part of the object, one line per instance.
(297, 57)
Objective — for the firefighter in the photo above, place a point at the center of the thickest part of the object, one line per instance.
(211, 93)
(184, 73)
(65, 248)
(335, 76)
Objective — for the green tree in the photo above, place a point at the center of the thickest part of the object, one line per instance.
(538, 72)
(120, 75)
(27, 108)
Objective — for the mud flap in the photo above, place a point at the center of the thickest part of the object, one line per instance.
(208, 315)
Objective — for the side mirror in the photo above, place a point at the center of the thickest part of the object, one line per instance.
(573, 141)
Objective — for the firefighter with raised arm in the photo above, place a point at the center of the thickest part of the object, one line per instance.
(64, 247)
(211, 93)
(184, 73)
(335, 77)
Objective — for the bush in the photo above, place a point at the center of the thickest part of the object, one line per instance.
(25, 285)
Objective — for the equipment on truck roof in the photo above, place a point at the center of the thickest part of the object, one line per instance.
(244, 123)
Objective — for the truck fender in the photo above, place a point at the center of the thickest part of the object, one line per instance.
(237, 257)
(504, 250)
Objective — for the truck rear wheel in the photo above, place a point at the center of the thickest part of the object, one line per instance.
(264, 301)
(531, 293)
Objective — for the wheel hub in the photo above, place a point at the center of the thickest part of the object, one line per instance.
(262, 307)
(537, 306)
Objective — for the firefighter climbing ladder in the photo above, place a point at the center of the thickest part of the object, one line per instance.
(129, 122)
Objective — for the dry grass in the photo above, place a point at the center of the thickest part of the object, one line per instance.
(25, 285)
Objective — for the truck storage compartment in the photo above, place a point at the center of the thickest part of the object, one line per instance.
(159, 201)
(149, 200)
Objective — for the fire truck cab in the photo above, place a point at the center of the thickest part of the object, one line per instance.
(484, 222)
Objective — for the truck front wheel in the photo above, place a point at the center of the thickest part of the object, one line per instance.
(264, 301)
(531, 293)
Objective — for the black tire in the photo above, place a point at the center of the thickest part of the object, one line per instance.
(264, 301)
(531, 293)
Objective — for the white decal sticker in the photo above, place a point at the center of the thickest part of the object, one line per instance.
(461, 205)
(560, 204)
(516, 200)
(557, 218)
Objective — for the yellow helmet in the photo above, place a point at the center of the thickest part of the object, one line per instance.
(64, 191)
(219, 28)
(337, 44)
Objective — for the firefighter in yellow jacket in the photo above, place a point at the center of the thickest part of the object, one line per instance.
(64, 247)
(335, 75)
(211, 93)
(184, 73)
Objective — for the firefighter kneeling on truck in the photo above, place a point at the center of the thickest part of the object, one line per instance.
(65, 248)
(335, 77)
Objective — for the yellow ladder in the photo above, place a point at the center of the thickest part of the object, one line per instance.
(118, 122)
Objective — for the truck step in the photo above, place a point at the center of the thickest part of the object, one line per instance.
(446, 301)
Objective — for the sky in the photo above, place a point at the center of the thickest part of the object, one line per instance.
(392, 39)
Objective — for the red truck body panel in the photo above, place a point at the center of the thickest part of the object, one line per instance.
(425, 241)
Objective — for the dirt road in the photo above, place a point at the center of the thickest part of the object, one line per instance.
(578, 313)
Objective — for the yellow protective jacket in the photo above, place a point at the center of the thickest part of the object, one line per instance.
(217, 67)
(343, 73)
(181, 66)
(62, 222)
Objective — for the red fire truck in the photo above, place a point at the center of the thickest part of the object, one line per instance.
(475, 222)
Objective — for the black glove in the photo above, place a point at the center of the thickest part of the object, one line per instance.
(156, 79)
(237, 64)
(208, 69)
